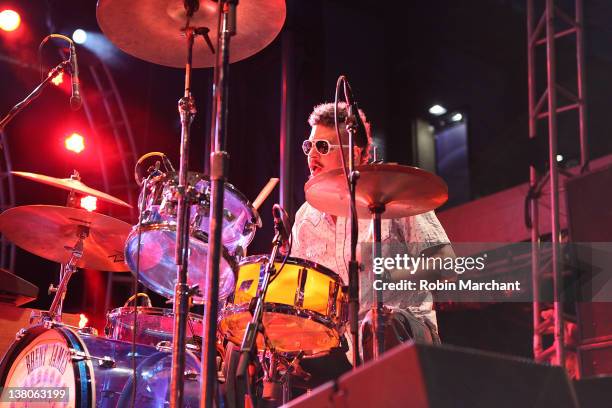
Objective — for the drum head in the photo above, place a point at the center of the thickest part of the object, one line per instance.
(43, 358)
(158, 269)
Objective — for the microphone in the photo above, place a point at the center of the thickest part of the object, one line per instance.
(75, 99)
(281, 224)
(352, 114)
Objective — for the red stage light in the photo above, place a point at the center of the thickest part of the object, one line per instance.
(9, 20)
(89, 203)
(75, 143)
(58, 79)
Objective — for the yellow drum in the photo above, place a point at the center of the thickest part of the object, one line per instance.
(304, 307)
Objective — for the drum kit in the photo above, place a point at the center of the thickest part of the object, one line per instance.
(278, 309)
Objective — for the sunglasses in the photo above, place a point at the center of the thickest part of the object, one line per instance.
(322, 146)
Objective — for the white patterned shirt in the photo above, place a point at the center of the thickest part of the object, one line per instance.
(318, 239)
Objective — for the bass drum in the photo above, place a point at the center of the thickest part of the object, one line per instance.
(97, 372)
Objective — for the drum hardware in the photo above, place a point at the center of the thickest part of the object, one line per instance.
(385, 191)
(103, 362)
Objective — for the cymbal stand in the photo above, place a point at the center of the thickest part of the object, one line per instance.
(218, 164)
(182, 291)
(377, 308)
(54, 314)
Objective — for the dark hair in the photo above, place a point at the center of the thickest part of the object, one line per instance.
(323, 114)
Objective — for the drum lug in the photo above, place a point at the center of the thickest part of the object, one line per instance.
(106, 362)
(19, 335)
(88, 330)
(164, 346)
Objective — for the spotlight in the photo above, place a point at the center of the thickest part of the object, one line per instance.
(82, 321)
(75, 143)
(9, 20)
(58, 79)
(79, 36)
(89, 203)
(437, 110)
(559, 158)
(457, 117)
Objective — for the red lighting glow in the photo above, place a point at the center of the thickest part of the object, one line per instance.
(9, 20)
(82, 320)
(89, 203)
(75, 143)
(58, 79)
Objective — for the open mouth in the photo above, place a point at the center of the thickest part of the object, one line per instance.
(315, 169)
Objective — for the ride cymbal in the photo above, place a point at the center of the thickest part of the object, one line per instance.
(401, 191)
(153, 30)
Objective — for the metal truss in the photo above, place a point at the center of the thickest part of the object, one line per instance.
(542, 32)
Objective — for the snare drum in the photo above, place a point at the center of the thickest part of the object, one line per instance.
(158, 235)
(154, 325)
(91, 371)
(303, 311)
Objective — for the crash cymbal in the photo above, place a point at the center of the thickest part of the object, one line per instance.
(51, 231)
(402, 190)
(71, 184)
(152, 30)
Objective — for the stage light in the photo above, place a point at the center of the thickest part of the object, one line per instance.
(559, 158)
(437, 110)
(58, 79)
(82, 320)
(9, 20)
(457, 117)
(75, 143)
(89, 203)
(79, 36)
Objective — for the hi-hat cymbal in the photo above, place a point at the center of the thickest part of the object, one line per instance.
(152, 30)
(51, 231)
(71, 184)
(401, 190)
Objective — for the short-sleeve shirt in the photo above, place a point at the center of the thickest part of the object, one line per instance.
(317, 238)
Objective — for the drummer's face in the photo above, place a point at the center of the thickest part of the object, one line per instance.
(317, 162)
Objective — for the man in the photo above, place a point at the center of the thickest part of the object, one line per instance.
(325, 239)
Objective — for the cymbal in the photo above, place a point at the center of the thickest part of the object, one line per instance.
(51, 231)
(71, 184)
(402, 191)
(152, 30)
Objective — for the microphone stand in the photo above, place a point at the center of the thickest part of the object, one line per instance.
(351, 127)
(34, 94)
(248, 348)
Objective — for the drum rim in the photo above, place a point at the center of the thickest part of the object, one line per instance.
(272, 307)
(254, 213)
(150, 311)
(80, 367)
(291, 260)
(231, 260)
(334, 328)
